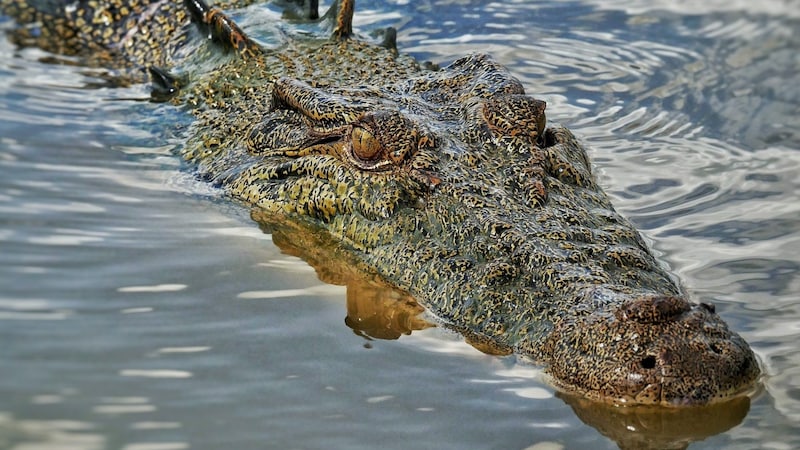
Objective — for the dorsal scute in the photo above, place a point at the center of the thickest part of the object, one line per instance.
(344, 19)
(221, 28)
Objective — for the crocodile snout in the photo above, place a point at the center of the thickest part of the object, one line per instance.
(651, 350)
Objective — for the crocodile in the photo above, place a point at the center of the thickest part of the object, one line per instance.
(447, 183)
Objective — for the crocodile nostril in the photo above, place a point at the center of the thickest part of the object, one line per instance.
(648, 362)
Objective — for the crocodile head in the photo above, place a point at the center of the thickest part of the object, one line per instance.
(449, 185)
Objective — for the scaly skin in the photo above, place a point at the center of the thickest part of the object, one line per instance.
(446, 183)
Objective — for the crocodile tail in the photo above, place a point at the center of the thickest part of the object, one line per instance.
(43, 23)
(23, 11)
(114, 34)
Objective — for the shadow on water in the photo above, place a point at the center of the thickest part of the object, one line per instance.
(378, 311)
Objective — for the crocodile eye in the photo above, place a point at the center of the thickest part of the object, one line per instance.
(365, 145)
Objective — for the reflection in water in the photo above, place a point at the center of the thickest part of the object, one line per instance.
(381, 312)
(659, 428)
(375, 310)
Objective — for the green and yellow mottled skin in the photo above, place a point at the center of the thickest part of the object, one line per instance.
(447, 183)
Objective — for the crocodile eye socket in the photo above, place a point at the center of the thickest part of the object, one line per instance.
(365, 145)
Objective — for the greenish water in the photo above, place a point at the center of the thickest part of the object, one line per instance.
(140, 310)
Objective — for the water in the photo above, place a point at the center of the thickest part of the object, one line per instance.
(140, 310)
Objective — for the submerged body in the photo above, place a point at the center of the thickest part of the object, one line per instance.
(446, 183)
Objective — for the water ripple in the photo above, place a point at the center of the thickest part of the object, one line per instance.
(50, 434)
(155, 373)
(780, 8)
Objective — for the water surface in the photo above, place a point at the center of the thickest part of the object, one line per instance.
(141, 310)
